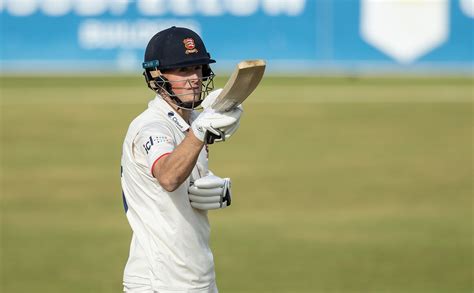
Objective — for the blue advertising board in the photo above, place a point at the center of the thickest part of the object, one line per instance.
(292, 35)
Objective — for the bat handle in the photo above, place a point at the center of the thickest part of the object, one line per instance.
(211, 137)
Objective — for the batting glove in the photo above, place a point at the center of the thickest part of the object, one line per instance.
(211, 98)
(229, 131)
(210, 193)
(220, 125)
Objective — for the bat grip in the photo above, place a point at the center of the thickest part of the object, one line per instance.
(211, 137)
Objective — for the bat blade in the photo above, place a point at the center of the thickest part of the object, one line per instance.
(243, 81)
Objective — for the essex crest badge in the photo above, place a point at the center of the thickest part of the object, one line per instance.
(190, 46)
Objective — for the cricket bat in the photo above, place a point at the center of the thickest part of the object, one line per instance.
(243, 81)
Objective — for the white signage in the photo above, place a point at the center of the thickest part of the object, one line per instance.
(22, 8)
(467, 6)
(405, 29)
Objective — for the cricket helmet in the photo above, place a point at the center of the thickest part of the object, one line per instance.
(176, 47)
(172, 48)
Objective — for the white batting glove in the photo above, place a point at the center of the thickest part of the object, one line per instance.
(221, 125)
(210, 193)
(224, 132)
(228, 132)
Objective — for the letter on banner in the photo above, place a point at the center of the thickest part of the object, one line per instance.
(404, 29)
(467, 6)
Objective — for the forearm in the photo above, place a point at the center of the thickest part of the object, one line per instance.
(172, 170)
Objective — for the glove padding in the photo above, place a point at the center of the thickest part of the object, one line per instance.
(211, 125)
(210, 193)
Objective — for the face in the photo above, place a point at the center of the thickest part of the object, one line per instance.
(185, 82)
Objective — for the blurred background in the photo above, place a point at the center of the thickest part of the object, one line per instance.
(352, 169)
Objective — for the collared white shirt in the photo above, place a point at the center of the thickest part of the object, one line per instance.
(170, 243)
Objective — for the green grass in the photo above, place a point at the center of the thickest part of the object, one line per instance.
(340, 185)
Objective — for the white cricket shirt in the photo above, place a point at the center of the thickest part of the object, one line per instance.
(170, 243)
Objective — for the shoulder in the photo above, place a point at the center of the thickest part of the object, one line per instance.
(149, 120)
(155, 128)
(147, 124)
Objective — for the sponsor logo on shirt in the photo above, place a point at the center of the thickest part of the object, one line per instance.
(155, 140)
(175, 119)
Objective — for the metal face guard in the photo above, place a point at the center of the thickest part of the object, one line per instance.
(207, 85)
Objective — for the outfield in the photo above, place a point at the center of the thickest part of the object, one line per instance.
(340, 185)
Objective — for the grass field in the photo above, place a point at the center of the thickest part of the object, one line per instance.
(340, 185)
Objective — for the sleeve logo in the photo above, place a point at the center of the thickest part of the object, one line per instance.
(155, 140)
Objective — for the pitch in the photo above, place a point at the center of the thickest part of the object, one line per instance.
(340, 185)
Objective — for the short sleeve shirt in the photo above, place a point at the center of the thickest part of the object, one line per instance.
(170, 242)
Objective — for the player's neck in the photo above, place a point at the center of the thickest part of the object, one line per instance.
(185, 114)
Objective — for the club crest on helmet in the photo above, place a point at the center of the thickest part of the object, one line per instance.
(190, 46)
